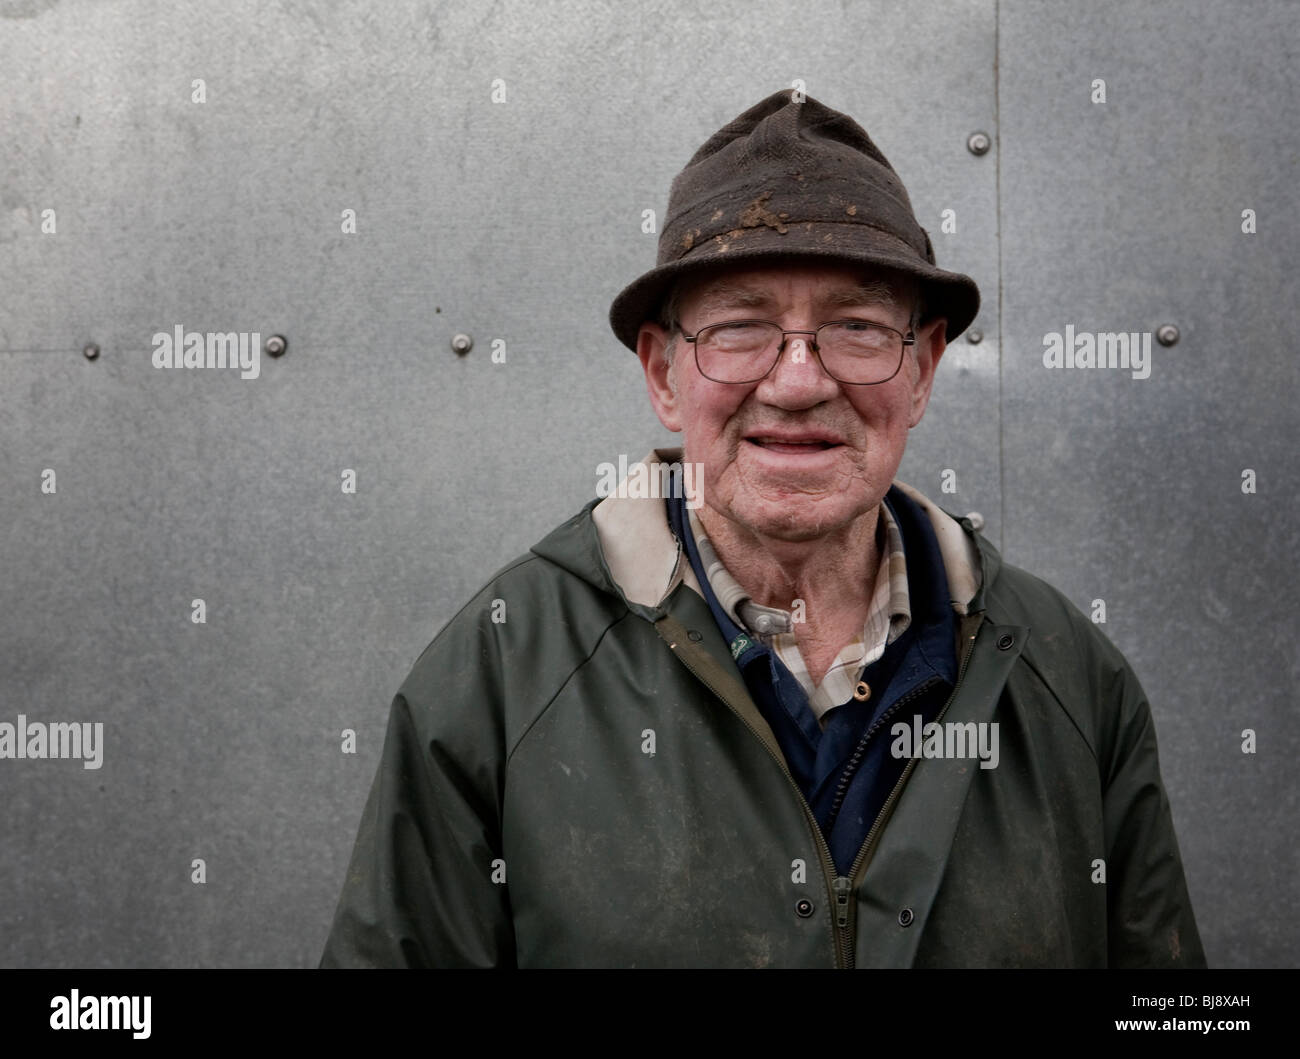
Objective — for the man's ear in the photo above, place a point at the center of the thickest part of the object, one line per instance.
(930, 344)
(660, 378)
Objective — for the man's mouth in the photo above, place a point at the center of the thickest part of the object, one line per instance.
(791, 446)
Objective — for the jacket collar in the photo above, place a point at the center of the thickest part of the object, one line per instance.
(636, 552)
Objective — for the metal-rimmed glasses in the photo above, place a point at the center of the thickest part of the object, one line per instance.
(857, 352)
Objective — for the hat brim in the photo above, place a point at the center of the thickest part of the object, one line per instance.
(950, 295)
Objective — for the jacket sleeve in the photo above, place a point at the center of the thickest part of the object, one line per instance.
(420, 889)
(1149, 911)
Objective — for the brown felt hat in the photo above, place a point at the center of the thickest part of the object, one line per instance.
(791, 177)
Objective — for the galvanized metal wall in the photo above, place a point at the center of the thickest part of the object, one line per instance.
(190, 165)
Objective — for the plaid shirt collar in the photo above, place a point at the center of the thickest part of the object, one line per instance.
(888, 618)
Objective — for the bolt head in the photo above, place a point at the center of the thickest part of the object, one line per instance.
(91, 351)
(978, 143)
(1167, 335)
(462, 344)
(974, 337)
(276, 345)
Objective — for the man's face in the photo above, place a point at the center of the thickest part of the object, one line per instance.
(796, 455)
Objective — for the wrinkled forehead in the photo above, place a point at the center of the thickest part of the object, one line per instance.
(832, 286)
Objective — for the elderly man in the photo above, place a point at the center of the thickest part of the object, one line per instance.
(790, 714)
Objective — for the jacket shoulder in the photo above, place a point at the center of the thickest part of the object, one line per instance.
(512, 646)
(1074, 661)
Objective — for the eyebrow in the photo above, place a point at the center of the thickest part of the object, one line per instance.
(722, 296)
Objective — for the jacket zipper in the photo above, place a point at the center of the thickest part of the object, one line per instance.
(840, 887)
(846, 777)
(845, 917)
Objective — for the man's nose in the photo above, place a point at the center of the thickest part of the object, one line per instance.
(799, 376)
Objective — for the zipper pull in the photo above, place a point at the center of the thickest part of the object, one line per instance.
(843, 891)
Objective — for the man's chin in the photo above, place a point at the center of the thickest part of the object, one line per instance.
(794, 516)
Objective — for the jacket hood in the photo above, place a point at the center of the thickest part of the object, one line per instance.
(623, 544)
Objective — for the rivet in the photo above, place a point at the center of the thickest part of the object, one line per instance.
(276, 345)
(695, 635)
(905, 917)
(91, 351)
(978, 143)
(461, 344)
(974, 337)
(862, 692)
(1167, 335)
(803, 908)
(1005, 642)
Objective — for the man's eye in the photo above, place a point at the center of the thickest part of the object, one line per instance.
(737, 332)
